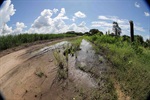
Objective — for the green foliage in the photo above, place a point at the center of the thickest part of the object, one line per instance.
(61, 63)
(138, 39)
(16, 40)
(125, 38)
(130, 62)
(94, 31)
(104, 39)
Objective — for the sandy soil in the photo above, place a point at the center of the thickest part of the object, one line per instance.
(26, 75)
(20, 74)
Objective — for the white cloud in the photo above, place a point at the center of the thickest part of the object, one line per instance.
(82, 24)
(62, 13)
(137, 5)
(103, 17)
(101, 24)
(6, 10)
(80, 28)
(43, 20)
(113, 18)
(46, 24)
(55, 10)
(73, 18)
(79, 14)
(6, 30)
(46, 12)
(147, 14)
(20, 25)
(138, 28)
(105, 24)
(19, 28)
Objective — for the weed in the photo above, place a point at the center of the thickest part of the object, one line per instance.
(62, 66)
(39, 74)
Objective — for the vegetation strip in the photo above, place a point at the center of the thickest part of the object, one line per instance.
(129, 60)
(10, 41)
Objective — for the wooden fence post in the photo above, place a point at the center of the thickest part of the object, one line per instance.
(131, 30)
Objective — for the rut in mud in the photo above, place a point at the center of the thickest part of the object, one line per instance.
(47, 73)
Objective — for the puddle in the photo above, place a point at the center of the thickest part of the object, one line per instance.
(56, 46)
(88, 59)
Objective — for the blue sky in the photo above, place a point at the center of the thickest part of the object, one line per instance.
(57, 16)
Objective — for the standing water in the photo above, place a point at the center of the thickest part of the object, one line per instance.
(85, 61)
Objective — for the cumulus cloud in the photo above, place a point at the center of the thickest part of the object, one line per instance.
(55, 10)
(43, 20)
(6, 11)
(137, 5)
(79, 14)
(78, 28)
(46, 12)
(147, 14)
(19, 28)
(62, 13)
(46, 24)
(6, 30)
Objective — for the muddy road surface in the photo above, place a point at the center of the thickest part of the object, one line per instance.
(34, 73)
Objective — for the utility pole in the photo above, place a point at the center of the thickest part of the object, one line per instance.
(131, 30)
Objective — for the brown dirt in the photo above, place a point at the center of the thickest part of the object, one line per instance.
(25, 76)
(120, 93)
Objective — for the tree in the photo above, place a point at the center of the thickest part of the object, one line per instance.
(116, 28)
(126, 38)
(139, 39)
(94, 31)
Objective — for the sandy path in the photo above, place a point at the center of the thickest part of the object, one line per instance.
(19, 72)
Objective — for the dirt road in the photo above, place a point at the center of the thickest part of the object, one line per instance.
(27, 75)
(32, 73)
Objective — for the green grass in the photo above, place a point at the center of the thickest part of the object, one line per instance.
(75, 46)
(10, 41)
(62, 57)
(62, 65)
(130, 61)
